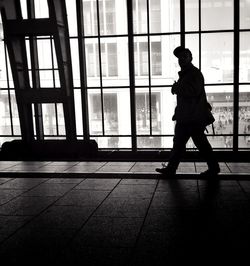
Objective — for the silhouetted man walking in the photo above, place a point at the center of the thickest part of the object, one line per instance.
(192, 115)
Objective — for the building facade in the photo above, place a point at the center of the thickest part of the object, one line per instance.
(216, 31)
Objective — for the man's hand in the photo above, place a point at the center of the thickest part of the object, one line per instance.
(174, 88)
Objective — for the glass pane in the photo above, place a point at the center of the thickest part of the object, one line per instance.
(44, 53)
(49, 119)
(78, 111)
(3, 74)
(217, 61)
(95, 112)
(155, 15)
(142, 112)
(162, 109)
(140, 16)
(192, 15)
(54, 54)
(5, 125)
(71, 15)
(170, 16)
(15, 115)
(217, 14)
(244, 114)
(11, 83)
(221, 100)
(116, 107)
(192, 42)
(46, 79)
(164, 16)
(244, 14)
(41, 9)
(113, 142)
(155, 142)
(244, 142)
(115, 72)
(60, 118)
(92, 62)
(141, 61)
(221, 142)
(27, 45)
(244, 75)
(117, 112)
(57, 79)
(143, 58)
(24, 8)
(90, 17)
(155, 52)
(113, 17)
(34, 120)
(75, 62)
(164, 65)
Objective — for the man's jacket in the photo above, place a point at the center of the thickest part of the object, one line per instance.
(192, 105)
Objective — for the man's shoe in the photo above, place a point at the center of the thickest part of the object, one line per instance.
(165, 171)
(210, 172)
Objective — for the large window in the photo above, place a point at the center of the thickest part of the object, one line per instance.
(209, 30)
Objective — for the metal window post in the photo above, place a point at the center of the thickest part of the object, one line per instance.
(83, 70)
(131, 73)
(236, 74)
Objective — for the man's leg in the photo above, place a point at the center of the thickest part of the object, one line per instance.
(201, 142)
(179, 146)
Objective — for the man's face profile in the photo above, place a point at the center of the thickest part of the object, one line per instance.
(184, 58)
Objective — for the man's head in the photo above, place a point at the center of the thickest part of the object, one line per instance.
(184, 56)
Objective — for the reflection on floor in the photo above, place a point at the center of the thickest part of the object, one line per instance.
(122, 221)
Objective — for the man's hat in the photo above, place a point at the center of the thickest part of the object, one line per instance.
(181, 49)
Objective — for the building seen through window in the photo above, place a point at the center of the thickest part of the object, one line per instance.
(209, 34)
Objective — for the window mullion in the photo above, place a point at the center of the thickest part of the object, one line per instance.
(131, 73)
(149, 70)
(100, 64)
(236, 75)
(83, 68)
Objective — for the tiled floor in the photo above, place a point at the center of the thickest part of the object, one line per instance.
(122, 220)
(107, 169)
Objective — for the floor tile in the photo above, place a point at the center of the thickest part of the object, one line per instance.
(133, 191)
(83, 198)
(177, 185)
(54, 168)
(201, 167)
(76, 255)
(10, 224)
(29, 244)
(27, 205)
(23, 183)
(62, 163)
(4, 180)
(110, 232)
(82, 169)
(98, 184)
(116, 167)
(123, 221)
(65, 180)
(239, 167)
(175, 199)
(63, 217)
(9, 194)
(145, 167)
(134, 181)
(50, 189)
(123, 207)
